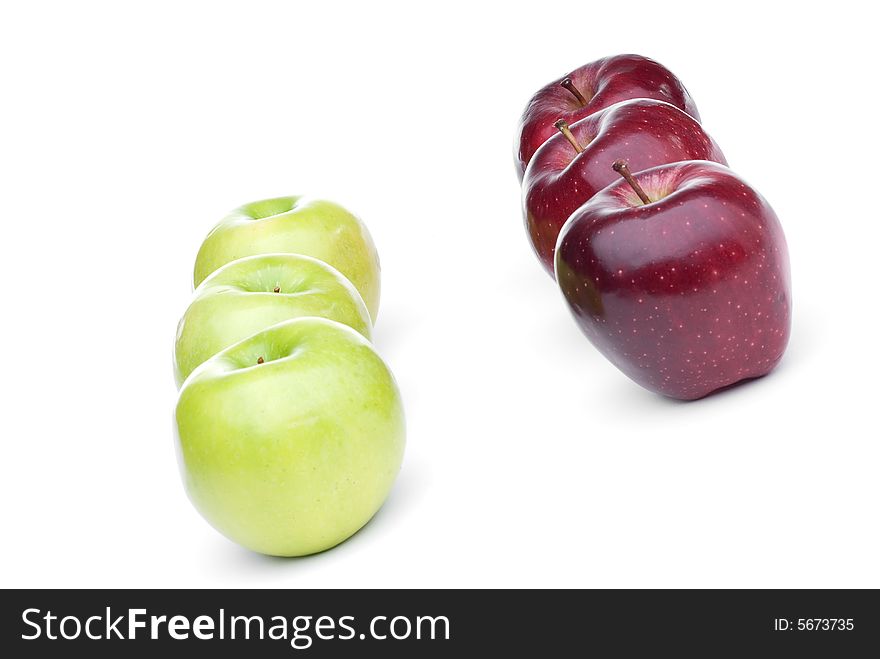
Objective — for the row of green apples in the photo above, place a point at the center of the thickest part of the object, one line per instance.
(289, 426)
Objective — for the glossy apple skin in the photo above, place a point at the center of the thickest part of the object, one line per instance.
(644, 132)
(604, 82)
(687, 294)
(296, 225)
(239, 299)
(291, 456)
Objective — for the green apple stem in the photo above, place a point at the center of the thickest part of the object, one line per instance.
(622, 168)
(563, 128)
(260, 360)
(569, 85)
(277, 289)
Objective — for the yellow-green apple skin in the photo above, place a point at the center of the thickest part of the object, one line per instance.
(293, 455)
(298, 225)
(250, 294)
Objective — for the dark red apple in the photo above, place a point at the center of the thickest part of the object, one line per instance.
(589, 89)
(575, 164)
(687, 293)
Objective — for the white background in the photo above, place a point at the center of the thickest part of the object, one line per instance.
(127, 131)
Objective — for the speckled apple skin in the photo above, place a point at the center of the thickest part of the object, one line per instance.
(604, 82)
(685, 295)
(644, 132)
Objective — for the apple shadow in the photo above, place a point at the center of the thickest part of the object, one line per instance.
(630, 395)
(393, 326)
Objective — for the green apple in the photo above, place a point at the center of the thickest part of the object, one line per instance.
(290, 440)
(298, 225)
(250, 294)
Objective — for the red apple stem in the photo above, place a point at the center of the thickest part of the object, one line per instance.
(569, 85)
(622, 168)
(260, 360)
(563, 128)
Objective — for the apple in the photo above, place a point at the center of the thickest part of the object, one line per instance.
(589, 89)
(250, 294)
(679, 275)
(573, 165)
(298, 225)
(290, 441)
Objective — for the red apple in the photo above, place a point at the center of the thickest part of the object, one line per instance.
(575, 164)
(589, 89)
(686, 292)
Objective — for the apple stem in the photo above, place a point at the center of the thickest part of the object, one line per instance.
(622, 168)
(277, 289)
(260, 360)
(569, 85)
(563, 128)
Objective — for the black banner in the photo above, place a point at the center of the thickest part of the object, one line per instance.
(409, 623)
